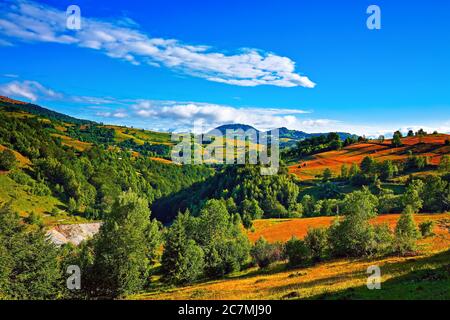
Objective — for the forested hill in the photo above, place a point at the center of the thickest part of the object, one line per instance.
(245, 191)
(48, 173)
(15, 105)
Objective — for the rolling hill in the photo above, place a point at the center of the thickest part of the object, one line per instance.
(431, 146)
(288, 137)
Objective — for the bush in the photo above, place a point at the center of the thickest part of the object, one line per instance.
(264, 253)
(406, 233)
(34, 219)
(7, 160)
(383, 240)
(316, 240)
(296, 252)
(426, 228)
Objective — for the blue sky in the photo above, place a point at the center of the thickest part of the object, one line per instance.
(307, 65)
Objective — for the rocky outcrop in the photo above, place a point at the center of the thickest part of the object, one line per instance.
(72, 233)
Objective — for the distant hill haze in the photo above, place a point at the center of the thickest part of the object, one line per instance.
(287, 136)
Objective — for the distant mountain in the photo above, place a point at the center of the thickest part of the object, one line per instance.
(223, 129)
(287, 136)
(15, 105)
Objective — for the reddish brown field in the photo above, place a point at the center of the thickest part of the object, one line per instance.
(432, 146)
(283, 229)
(326, 277)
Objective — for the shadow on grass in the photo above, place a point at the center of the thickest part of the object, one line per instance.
(428, 279)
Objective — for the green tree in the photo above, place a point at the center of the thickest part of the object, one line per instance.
(317, 242)
(30, 266)
(387, 170)
(354, 236)
(444, 165)
(412, 196)
(7, 160)
(72, 206)
(344, 171)
(327, 175)
(182, 260)
(122, 248)
(397, 139)
(225, 245)
(296, 252)
(368, 165)
(406, 232)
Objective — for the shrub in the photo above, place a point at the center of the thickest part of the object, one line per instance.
(406, 232)
(34, 218)
(316, 241)
(264, 253)
(426, 228)
(7, 160)
(383, 240)
(296, 252)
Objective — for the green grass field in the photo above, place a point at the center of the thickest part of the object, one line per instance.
(25, 203)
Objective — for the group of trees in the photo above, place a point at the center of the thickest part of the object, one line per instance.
(425, 194)
(350, 236)
(30, 266)
(146, 149)
(89, 181)
(210, 245)
(245, 190)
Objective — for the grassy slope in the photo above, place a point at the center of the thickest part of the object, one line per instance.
(422, 277)
(25, 203)
(432, 146)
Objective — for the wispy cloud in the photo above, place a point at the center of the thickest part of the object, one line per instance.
(213, 115)
(165, 115)
(31, 90)
(29, 21)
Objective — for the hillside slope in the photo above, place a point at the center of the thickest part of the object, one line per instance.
(432, 146)
(419, 277)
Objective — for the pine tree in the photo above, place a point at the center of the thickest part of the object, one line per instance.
(406, 232)
(29, 264)
(182, 260)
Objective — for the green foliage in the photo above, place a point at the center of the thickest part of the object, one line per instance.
(416, 162)
(426, 228)
(361, 202)
(264, 253)
(225, 247)
(396, 140)
(316, 240)
(354, 236)
(406, 232)
(327, 175)
(250, 210)
(122, 248)
(436, 194)
(34, 219)
(296, 252)
(444, 165)
(225, 244)
(274, 194)
(7, 160)
(182, 260)
(412, 196)
(29, 265)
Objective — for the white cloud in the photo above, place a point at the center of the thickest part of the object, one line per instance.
(30, 21)
(166, 113)
(30, 90)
